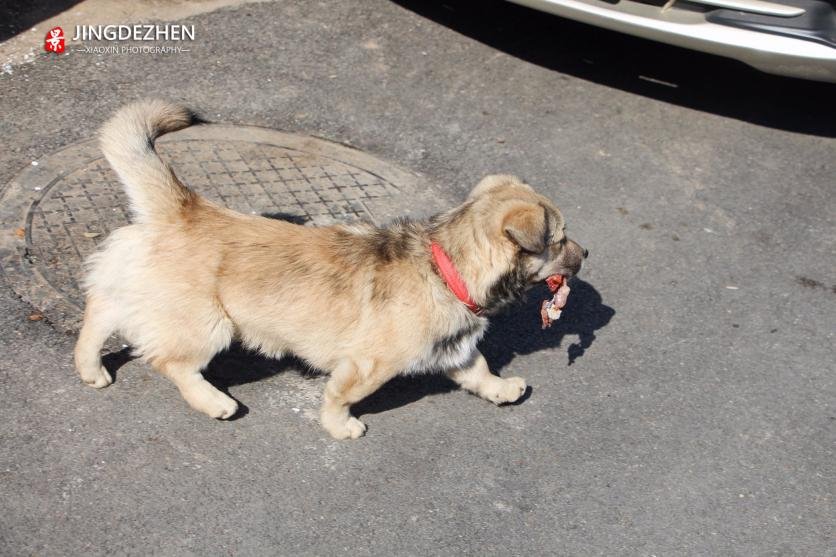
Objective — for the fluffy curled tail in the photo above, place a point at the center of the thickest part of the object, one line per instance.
(127, 140)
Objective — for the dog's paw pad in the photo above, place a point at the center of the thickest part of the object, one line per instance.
(515, 387)
(224, 409)
(508, 390)
(98, 379)
(356, 428)
(350, 429)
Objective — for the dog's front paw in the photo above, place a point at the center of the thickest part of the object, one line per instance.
(507, 390)
(352, 428)
(223, 408)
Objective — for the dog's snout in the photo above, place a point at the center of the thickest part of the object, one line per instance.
(585, 253)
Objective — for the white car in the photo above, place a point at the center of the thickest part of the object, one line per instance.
(786, 37)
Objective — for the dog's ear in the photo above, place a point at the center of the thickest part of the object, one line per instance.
(526, 225)
(494, 181)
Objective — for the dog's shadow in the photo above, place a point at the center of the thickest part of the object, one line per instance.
(515, 332)
(520, 332)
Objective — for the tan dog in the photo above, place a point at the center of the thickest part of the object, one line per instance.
(189, 277)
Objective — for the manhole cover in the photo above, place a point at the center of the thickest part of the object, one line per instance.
(53, 215)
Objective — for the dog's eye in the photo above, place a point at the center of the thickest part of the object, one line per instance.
(560, 243)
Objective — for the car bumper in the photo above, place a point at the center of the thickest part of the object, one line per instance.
(690, 28)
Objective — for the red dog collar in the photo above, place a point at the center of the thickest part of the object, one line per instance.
(452, 278)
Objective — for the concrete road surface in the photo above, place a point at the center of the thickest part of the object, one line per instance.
(685, 405)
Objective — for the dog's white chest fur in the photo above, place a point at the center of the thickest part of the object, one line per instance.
(452, 351)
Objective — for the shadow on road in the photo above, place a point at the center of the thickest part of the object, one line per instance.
(519, 331)
(691, 79)
(514, 333)
(20, 15)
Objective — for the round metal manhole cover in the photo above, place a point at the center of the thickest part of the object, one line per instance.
(56, 213)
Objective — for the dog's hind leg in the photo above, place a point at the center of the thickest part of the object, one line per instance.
(99, 323)
(478, 379)
(197, 391)
(350, 382)
(179, 344)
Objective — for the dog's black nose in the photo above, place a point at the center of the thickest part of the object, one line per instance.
(585, 253)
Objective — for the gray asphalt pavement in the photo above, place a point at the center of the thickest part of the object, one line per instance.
(685, 405)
